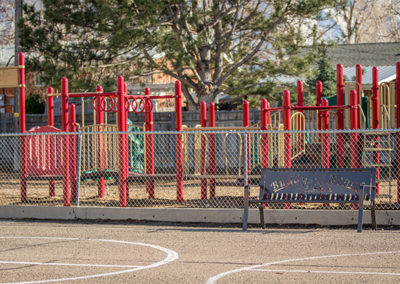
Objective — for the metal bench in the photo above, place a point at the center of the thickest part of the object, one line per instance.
(314, 186)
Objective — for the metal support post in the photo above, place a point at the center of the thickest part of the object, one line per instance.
(375, 122)
(246, 184)
(340, 115)
(78, 168)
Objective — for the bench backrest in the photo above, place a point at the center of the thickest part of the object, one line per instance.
(317, 185)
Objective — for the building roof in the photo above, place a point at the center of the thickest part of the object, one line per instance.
(366, 54)
(385, 74)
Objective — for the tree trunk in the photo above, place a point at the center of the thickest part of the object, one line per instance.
(202, 96)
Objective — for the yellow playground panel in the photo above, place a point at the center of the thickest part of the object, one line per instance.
(194, 151)
(97, 143)
(387, 101)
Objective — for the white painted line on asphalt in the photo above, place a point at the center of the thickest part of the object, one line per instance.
(41, 238)
(68, 264)
(215, 278)
(329, 272)
(171, 256)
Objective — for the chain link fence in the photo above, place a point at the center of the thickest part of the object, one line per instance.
(196, 169)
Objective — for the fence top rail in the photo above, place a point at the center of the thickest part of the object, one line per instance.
(348, 131)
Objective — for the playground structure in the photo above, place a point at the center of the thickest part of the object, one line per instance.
(53, 157)
(371, 111)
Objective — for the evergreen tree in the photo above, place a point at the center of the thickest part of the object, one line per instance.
(212, 47)
(324, 72)
(34, 104)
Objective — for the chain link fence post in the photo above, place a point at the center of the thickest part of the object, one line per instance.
(78, 167)
(246, 194)
(246, 159)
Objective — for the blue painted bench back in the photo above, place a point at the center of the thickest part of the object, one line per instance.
(317, 185)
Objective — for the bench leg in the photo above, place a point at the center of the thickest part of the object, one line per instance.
(262, 221)
(246, 208)
(360, 211)
(373, 216)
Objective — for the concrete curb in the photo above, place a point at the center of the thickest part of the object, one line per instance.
(189, 215)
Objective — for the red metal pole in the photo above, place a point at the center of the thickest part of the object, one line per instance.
(354, 163)
(300, 93)
(325, 139)
(319, 100)
(22, 125)
(123, 145)
(398, 126)
(265, 120)
(50, 121)
(21, 78)
(211, 123)
(340, 115)
(246, 114)
(65, 128)
(354, 151)
(126, 119)
(203, 123)
(265, 116)
(358, 90)
(72, 119)
(318, 89)
(100, 142)
(375, 121)
(64, 105)
(287, 152)
(246, 123)
(179, 147)
(300, 98)
(286, 126)
(127, 111)
(149, 144)
(300, 121)
(50, 107)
